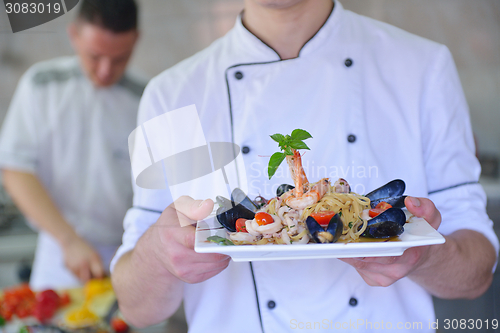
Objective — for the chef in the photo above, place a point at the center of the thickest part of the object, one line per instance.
(64, 150)
(380, 104)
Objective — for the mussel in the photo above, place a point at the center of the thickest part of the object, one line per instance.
(283, 188)
(320, 235)
(230, 210)
(392, 193)
(239, 197)
(387, 224)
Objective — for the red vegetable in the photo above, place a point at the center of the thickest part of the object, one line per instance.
(263, 218)
(323, 218)
(118, 325)
(240, 225)
(47, 304)
(380, 208)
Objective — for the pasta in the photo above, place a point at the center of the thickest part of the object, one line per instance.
(288, 226)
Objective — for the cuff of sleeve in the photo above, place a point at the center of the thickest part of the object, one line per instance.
(17, 162)
(136, 222)
(464, 207)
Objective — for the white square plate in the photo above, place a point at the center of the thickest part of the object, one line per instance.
(417, 233)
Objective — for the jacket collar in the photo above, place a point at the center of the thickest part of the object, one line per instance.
(252, 45)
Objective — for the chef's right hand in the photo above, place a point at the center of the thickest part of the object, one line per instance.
(82, 260)
(175, 239)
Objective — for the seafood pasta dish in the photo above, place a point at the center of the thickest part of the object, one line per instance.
(319, 212)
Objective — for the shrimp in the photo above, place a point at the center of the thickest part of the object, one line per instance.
(309, 198)
(297, 172)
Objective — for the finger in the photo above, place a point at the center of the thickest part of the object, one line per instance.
(425, 208)
(96, 268)
(193, 209)
(84, 272)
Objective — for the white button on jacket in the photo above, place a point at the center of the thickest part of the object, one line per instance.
(380, 104)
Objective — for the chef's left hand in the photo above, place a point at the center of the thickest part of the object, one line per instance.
(384, 271)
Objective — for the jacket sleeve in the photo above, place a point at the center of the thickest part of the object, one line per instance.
(148, 204)
(20, 134)
(449, 153)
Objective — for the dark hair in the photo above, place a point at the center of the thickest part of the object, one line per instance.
(114, 15)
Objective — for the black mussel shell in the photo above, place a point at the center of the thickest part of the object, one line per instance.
(388, 224)
(239, 197)
(396, 202)
(283, 188)
(393, 188)
(320, 235)
(229, 212)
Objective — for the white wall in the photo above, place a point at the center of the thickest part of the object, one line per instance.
(176, 29)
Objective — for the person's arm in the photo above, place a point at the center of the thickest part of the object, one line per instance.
(459, 268)
(34, 201)
(148, 280)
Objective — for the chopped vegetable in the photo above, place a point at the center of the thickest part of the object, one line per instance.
(383, 205)
(323, 218)
(379, 209)
(46, 306)
(2, 321)
(219, 240)
(287, 143)
(240, 225)
(263, 218)
(119, 325)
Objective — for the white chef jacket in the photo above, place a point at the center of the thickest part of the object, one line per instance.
(380, 104)
(73, 136)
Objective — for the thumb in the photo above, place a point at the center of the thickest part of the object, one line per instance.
(194, 210)
(424, 208)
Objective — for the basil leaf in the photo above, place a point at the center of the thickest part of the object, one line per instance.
(300, 134)
(288, 151)
(278, 137)
(274, 163)
(297, 144)
(219, 240)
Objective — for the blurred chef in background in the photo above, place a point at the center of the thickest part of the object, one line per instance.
(64, 150)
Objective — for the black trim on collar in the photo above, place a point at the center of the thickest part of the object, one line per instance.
(148, 209)
(256, 296)
(300, 50)
(453, 186)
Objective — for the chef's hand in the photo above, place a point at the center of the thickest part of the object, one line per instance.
(384, 271)
(176, 235)
(81, 259)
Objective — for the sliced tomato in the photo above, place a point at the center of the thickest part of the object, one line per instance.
(263, 218)
(383, 205)
(380, 208)
(375, 211)
(323, 218)
(241, 226)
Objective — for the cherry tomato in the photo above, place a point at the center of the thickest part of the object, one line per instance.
(375, 211)
(118, 325)
(323, 218)
(240, 225)
(380, 208)
(383, 205)
(263, 218)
